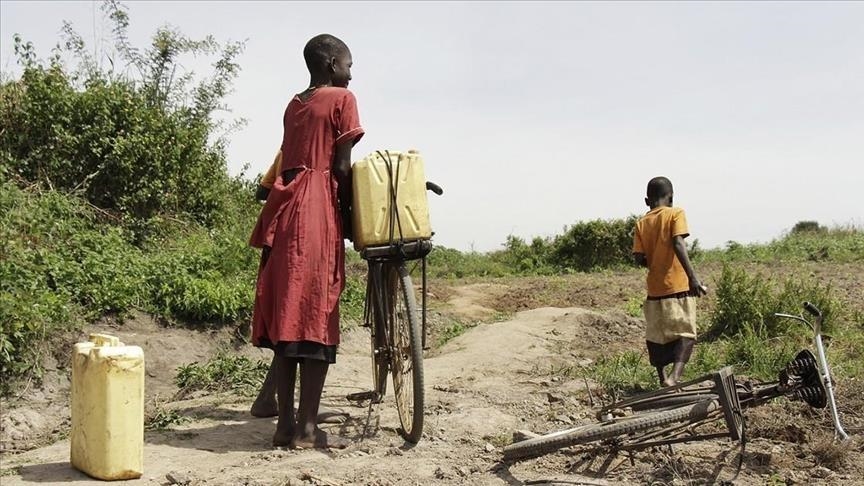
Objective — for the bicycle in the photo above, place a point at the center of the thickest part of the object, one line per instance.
(398, 330)
(673, 414)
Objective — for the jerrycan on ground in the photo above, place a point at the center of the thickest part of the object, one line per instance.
(390, 202)
(107, 439)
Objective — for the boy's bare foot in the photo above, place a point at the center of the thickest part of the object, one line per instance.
(331, 416)
(264, 408)
(670, 382)
(320, 440)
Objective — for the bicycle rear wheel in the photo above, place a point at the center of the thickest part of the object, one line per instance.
(406, 351)
(642, 422)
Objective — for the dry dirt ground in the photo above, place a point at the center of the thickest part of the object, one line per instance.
(480, 386)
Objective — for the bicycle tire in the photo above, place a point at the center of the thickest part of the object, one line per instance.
(606, 430)
(673, 401)
(406, 357)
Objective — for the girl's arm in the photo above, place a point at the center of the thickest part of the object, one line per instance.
(342, 171)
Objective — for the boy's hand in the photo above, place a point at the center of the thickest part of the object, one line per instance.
(696, 288)
(347, 225)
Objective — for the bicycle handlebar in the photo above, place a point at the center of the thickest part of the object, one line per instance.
(812, 309)
(431, 186)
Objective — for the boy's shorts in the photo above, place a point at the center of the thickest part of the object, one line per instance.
(670, 325)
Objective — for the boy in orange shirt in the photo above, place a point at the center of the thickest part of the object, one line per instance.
(269, 178)
(670, 308)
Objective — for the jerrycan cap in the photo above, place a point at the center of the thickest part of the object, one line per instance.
(105, 340)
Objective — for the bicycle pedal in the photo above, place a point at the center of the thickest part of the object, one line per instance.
(367, 395)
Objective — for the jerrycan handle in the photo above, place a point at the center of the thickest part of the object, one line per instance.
(105, 340)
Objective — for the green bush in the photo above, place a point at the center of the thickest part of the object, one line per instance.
(451, 263)
(807, 227)
(746, 303)
(525, 259)
(142, 143)
(597, 244)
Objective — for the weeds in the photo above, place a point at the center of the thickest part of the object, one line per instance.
(161, 418)
(454, 330)
(633, 307)
(224, 372)
(624, 373)
(828, 453)
(749, 301)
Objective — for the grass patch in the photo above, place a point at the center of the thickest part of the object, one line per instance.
(224, 372)
(623, 374)
(633, 307)
(161, 418)
(451, 331)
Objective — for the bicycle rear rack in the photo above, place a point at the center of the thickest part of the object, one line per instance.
(724, 382)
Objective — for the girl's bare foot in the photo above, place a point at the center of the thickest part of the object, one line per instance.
(320, 440)
(268, 408)
(283, 437)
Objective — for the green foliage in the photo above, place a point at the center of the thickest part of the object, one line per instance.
(161, 418)
(706, 358)
(597, 244)
(451, 263)
(633, 307)
(64, 262)
(746, 303)
(353, 299)
(585, 246)
(141, 142)
(759, 356)
(802, 244)
(523, 258)
(451, 331)
(224, 372)
(807, 227)
(31, 307)
(202, 276)
(115, 193)
(623, 373)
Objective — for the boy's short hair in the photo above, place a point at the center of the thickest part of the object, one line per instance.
(321, 49)
(659, 187)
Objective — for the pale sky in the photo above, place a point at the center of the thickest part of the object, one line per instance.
(533, 116)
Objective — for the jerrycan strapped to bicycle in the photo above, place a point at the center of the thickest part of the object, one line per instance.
(107, 437)
(389, 202)
(392, 233)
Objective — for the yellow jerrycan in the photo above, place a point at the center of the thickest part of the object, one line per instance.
(107, 439)
(389, 202)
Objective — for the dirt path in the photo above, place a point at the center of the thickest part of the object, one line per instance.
(480, 387)
(466, 301)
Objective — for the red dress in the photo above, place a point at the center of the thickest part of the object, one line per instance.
(298, 288)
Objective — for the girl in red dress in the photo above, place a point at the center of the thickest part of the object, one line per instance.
(301, 234)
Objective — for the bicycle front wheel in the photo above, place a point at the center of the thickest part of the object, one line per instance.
(606, 430)
(406, 356)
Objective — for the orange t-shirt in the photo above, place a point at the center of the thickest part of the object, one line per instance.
(654, 238)
(270, 177)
